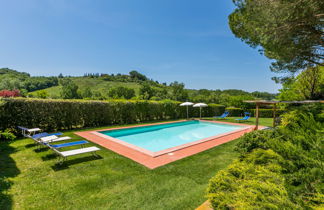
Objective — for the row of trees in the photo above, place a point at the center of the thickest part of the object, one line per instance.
(175, 91)
(133, 76)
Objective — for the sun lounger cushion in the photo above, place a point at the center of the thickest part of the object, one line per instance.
(54, 138)
(78, 151)
(44, 134)
(34, 130)
(69, 144)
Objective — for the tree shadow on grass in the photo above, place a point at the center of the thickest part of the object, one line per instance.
(8, 169)
(67, 163)
(30, 145)
(42, 149)
(49, 157)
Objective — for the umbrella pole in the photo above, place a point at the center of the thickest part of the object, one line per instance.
(200, 112)
(187, 113)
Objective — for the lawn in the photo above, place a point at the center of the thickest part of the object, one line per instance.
(262, 121)
(30, 179)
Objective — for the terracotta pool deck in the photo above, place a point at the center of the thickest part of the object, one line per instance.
(162, 158)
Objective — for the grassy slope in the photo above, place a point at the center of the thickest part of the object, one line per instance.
(95, 84)
(112, 182)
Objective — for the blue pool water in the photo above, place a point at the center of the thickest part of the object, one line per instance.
(160, 137)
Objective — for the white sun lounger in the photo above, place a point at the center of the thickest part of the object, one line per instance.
(53, 138)
(44, 141)
(63, 155)
(28, 132)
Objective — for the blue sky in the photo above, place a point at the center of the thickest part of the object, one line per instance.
(167, 40)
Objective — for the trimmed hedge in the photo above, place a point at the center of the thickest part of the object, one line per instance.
(68, 114)
(235, 112)
(238, 112)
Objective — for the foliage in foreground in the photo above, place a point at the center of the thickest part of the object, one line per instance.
(246, 185)
(6, 136)
(280, 169)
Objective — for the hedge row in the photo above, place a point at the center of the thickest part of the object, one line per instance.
(68, 114)
(237, 112)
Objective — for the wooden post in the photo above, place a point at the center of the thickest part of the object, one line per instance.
(257, 116)
(274, 115)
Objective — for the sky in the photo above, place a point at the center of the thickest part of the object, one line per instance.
(167, 40)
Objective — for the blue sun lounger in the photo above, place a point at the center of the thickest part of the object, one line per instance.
(246, 117)
(69, 144)
(225, 114)
(44, 134)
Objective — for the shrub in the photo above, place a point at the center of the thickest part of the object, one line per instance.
(235, 112)
(250, 185)
(6, 136)
(295, 149)
(9, 93)
(253, 140)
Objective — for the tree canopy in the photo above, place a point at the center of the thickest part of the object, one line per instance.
(121, 92)
(291, 32)
(137, 76)
(69, 89)
(308, 85)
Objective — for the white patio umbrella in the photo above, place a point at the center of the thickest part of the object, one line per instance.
(200, 105)
(187, 104)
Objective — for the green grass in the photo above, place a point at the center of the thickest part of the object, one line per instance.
(262, 121)
(30, 179)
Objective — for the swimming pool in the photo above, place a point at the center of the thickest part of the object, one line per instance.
(159, 139)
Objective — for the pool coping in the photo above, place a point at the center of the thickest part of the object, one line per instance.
(171, 149)
(153, 161)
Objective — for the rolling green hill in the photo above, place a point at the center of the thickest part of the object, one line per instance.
(96, 85)
(133, 85)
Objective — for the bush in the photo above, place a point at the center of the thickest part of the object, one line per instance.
(68, 114)
(235, 112)
(253, 140)
(295, 149)
(9, 93)
(250, 185)
(6, 136)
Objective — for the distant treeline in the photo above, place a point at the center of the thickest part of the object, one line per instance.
(147, 89)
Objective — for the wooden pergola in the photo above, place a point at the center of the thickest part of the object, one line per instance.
(274, 107)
